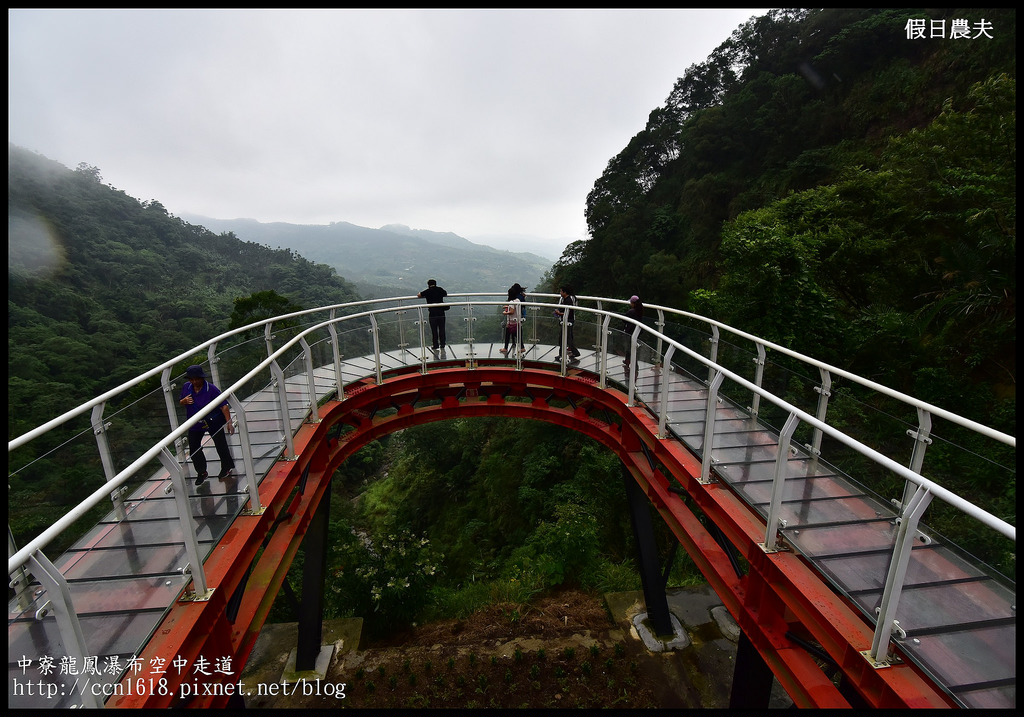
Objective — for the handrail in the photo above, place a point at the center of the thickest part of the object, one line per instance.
(934, 410)
(910, 400)
(937, 490)
(88, 405)
(21, 556)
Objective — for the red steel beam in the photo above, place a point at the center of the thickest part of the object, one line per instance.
(779, 594)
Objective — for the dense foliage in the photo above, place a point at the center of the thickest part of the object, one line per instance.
(505, 510)
(827, 182)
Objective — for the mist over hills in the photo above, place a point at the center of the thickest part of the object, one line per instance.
(393, 258)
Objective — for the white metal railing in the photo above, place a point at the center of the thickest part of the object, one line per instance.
(923, 490)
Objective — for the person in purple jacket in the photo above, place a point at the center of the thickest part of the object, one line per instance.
(197, 394)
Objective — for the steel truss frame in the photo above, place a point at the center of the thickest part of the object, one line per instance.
(780, 593)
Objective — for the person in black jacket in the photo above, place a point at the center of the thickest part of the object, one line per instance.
(434, 294)
(635, 311)
(568, 315)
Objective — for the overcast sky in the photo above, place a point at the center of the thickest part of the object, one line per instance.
(479, 122)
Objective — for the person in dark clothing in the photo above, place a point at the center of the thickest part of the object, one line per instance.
(568, 315)
(196, 394)
(635, 311)
(434, 294)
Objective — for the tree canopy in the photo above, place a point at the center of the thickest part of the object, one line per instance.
(829, 181)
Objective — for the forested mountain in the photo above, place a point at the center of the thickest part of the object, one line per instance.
(827, 182)
(393, 260)
(102, 286)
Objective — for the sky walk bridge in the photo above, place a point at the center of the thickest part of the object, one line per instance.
(818, 544)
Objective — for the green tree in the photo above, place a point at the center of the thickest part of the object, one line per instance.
(260, 305)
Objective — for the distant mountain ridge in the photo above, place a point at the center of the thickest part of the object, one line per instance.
(394, 256)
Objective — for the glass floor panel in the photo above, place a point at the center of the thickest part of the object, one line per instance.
(724, 440)
(745, 453)
(764, 470)
(801, 488)
(119, 633)
(722, 425)
(972, 663)
(843, 539)
(144, 560)
(945, 605)
(991, 698)
(132, 533)
(802, 513)
(866, 571)
(94, 596)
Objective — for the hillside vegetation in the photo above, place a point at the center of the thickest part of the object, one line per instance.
(394, 260)
(102, 287)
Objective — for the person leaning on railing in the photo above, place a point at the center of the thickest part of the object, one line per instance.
(435, 294)
(636, 312)
(513, 317)
(568, 298)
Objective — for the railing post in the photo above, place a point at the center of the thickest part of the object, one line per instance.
(99, 429)
(713, 355)
(400, 313)
(423, 339)
(661, 330)
(663, 403)
(68, 625)
(282, 406)
(824, 391)
(169, 402)
(251, 484)
(774, 523)
(563, 350)
(214, 359)
(709, 426)
(339, 383)
(603, 348)
(307, 354)
(599, 329)
(533, 339)
(179, 487)
(375, 336)
(180, 443)
(922, 439)
(268, 338)
(633, 367)
(19, 578)
(469, 318)
(895, 578)
(755, 402)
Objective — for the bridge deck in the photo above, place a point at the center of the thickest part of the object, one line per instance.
(125, 574)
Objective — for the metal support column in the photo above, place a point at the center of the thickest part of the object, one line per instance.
(650, 575)
(314, 569)
(751, 678)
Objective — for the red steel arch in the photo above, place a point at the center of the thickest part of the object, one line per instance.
(779, 596)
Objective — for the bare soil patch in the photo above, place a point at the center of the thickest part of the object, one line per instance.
(562, 652)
